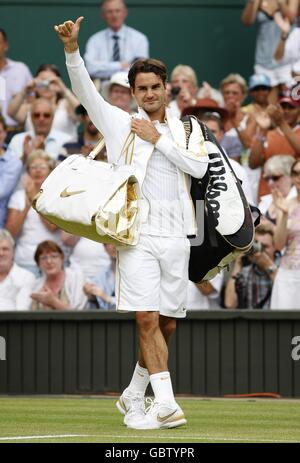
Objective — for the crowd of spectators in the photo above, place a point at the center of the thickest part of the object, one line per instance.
(256, 121)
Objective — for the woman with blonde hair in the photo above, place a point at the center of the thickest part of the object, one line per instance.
(23, 222)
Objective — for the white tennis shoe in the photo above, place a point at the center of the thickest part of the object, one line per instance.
(159, 415)
(131, 406)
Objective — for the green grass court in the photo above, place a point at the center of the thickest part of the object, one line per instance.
(96, 419)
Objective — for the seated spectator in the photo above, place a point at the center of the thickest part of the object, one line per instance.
(119, 93)
(102, 289)
(213, 120)
(204, 295)
(90, 256)
(185, 91)
(23, 222)
(259, 91)
(87, 138)
(16, 75)
(10, 171)
(58, 288)
(240, 126)
(115, 48)
(250, 284)
(277, 174)
(14, 280)
(47, 84)
(285, 294)
(284, 138)
(43, 136)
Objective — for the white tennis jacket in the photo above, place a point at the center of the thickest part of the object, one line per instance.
(115, 126)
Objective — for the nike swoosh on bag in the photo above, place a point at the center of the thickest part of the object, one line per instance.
(65, 193)
(161, 419)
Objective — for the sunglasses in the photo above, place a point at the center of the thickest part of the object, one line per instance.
(212, 113)
(274, 178)
(38, 115)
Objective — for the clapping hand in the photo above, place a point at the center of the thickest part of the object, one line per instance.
(280, 202)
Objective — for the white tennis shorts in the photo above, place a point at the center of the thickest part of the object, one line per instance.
(153, 276)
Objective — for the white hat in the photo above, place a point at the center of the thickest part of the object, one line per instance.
(119, 78)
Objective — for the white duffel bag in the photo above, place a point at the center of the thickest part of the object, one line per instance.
(94, 199)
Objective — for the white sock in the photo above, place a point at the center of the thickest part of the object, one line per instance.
(139, 380)
(162, 387)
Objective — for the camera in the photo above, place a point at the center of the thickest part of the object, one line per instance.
(256, 247)
(175, 91)
(43, 84)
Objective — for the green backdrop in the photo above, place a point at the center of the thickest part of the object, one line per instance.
(207, 35)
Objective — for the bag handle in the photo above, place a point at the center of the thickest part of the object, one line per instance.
(125, 150)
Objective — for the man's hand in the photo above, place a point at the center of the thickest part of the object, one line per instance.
(145, 130)
(68, 33)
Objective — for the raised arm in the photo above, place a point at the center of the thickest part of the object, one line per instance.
(105, 116)
(249, 12)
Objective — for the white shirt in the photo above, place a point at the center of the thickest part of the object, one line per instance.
(14, 289)
(53, 142)
(99, 51)
(16, 75)
(32, 233)
(91, 257)
(196, 300)
(161, 190)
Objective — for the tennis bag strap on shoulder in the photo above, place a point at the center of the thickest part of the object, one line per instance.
(217, 249)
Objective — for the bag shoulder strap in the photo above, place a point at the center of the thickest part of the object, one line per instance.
(129, 142)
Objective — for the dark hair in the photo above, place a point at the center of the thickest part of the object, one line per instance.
(47, 246)
(2, 121)
(48, 67)
(265, 229)
(2, 31)
(147, 65)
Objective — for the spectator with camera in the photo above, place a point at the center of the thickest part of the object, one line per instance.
(251, 281)
(184, 90)
(48, 85)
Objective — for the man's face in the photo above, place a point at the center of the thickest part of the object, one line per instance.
(3, 46)
(114, 14)
(120, 96)
(260, 94)
(6, 256)
(42, 117)
(150, 92)
(214, 127)
(88, 125)
(267, 241)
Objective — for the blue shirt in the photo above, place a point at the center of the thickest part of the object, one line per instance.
(99, 51)
(106, 281)
(10, 171)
